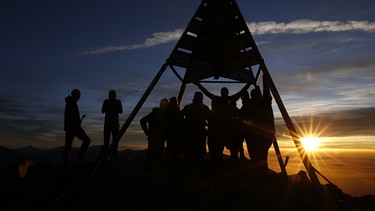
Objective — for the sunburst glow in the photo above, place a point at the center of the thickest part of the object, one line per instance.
(311, 130)
(311, 143)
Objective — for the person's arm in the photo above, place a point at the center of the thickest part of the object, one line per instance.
(144, 123)
(119, 107)
(183, 111)
(258, 89)
(266, 91)
(72, 119)
(237, 96)
(205, 91)
(104, 106)
(77, 116)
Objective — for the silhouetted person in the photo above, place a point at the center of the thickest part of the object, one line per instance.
(234, 136)
(72, 127)
(154, 126)
(263, 127)
(195, 121)
(249, 111)
(112, 107)
(174, 130)
(216, 128)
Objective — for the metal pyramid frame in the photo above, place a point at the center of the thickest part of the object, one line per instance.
(218, 44)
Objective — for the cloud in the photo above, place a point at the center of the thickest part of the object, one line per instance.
(257, 28)
(308, 26)
(339, 123)
(157, 38)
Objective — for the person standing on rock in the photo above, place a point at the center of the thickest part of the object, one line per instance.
(72, 128)
(112, 107)
(154, 126)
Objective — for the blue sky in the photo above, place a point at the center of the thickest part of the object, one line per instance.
(321, 56)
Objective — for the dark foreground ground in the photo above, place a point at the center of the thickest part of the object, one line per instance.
(123, 184)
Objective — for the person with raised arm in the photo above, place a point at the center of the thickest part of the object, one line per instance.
(216, 126)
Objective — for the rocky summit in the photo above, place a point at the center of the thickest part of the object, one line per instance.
(124, 184)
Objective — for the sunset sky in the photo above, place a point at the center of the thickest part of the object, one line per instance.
(321, 56)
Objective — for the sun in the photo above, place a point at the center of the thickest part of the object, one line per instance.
(311, 130)
(311, 143)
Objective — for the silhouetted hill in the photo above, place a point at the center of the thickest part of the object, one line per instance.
(29, 151)
(123, 184)
(9, 157)
(54, 156)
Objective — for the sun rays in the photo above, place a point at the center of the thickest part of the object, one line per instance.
(311, 143)
(314, 132)
(311, 132)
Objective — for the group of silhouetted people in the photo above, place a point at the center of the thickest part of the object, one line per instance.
(186, 132)
(112, 107)
(173, 133)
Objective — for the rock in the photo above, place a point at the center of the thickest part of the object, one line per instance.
(124, 184)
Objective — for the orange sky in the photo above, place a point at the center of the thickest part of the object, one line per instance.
(348, 162)
(352, 170)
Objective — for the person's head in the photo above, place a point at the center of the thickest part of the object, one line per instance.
(245, 96)
(198, 97)
(112, 94)
(76, 94)
(173, 102)
(224, 91)
(164, 103)
(256, 94)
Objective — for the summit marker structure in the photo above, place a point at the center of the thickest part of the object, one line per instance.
(217, 44)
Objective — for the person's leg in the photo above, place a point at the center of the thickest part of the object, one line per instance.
(250, 146)
(106, 137)
(81, 134)
(201, 145)
(67, 148)
(261, 162)
(264, 145)
(115, 130)
(214, 145)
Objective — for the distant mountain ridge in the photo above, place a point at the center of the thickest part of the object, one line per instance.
(11, 157)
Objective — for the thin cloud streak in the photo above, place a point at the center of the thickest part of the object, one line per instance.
(309, 26)
(157, 38)
(341, 123)
(302, 26)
